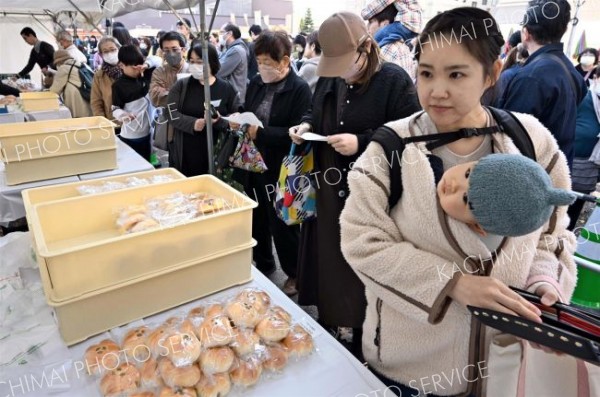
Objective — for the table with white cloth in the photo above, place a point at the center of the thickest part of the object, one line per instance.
(51, 369)
(11, 201)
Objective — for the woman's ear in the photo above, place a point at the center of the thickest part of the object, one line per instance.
(285, 61)
(495, 76)
(476, 227)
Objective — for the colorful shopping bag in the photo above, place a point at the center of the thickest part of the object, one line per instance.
(246, 156)
(295, 194)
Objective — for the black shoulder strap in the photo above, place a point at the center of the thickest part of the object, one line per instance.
(512, 127)
(393, 146)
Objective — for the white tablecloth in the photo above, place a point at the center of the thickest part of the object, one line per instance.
(11, 202)
(54, 370)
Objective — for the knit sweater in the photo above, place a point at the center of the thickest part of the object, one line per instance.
(413, 329)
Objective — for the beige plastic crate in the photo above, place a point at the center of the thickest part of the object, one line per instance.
(81, 246)
(96, 312)
(34, 101)
(40, 139)
(52, 149)
(59, 166)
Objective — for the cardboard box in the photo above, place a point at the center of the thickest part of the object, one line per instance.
(99, 311)
(34, 101)
(79, 242)
(51, 149)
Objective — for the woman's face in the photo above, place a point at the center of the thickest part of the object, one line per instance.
(107, 48)
(450, 84)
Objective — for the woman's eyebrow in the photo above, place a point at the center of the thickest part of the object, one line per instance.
(451, 67)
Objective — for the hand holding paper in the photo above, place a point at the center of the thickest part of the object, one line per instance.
(243, 118)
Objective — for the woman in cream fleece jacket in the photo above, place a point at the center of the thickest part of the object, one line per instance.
(421, 268)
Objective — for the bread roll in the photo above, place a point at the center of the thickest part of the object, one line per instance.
(215, 331)
(135, 344)
(243, 313)
(210, 205)
(143, 394)
(298, 342)
(281, 312)
(156, 341)
(178, 377)
(183, 348)
(133, 210)
(272, 328)
(101, 357)
(245, 341)
(123, 378)
(216, 360)
(215, 310)
(177, 392)
(187, 327)
(151, 377)
(144, 225)
(276, 357)
(127, 223)
(198, 311)
(245, 373)
(259, 299)
(217, 385)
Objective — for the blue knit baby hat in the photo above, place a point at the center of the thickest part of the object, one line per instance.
(512, 195)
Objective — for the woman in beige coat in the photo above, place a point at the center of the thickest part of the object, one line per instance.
(105, 76)
(66, 83)
(421, 269)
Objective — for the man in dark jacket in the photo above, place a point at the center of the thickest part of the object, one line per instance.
(234, 60)
(42, 53)
(548, 86)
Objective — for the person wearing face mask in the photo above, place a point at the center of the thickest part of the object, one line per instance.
(279, 98)
(588, 60)
(585, 174)
(188, 151)
(172, 45)
(356, 93)
(234, 58)
(105, 76)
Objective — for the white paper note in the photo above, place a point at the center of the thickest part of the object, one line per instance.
(311, 136)
(245, 118)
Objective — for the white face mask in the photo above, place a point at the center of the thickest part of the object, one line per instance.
(143, 46)
(112, 58)
(197, 71)
(587, 60)
(269, 74)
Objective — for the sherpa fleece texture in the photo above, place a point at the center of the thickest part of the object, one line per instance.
(408, 266)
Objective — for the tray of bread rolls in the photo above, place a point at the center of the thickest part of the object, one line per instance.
(213, 350)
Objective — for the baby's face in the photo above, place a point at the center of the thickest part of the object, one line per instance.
(452, 191)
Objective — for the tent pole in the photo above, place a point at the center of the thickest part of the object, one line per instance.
(206, 65)
(212, 18)
(87, 18)
(43, 26)
(174, 11)
(575, 20)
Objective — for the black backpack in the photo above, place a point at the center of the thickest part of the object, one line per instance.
(86, 76)
(393, 146)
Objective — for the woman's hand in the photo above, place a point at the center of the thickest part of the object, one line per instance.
(344, 144)
(199, 125)
(549, 297)
(252, 131)
(232, 124)
(493, 294)
(297, 131)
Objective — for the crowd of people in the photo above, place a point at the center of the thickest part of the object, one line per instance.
(371, 264)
